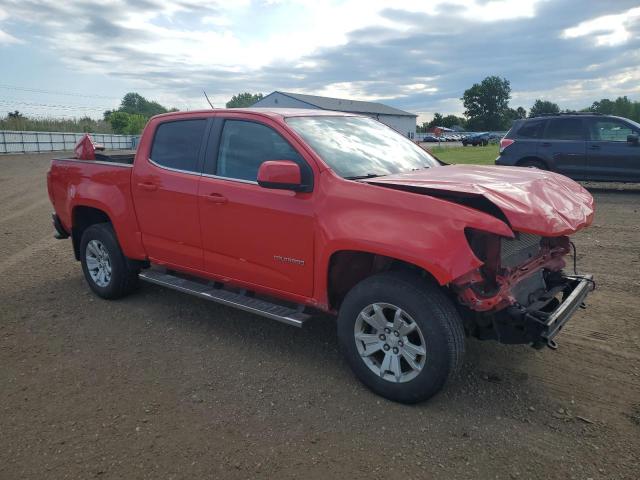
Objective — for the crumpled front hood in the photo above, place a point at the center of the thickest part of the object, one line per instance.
(532, 200)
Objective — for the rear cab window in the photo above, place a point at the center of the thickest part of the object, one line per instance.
(565, 129)
(176, 144)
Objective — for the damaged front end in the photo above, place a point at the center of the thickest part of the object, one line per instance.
(520, 293)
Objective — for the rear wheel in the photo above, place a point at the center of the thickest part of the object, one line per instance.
(107, 271)
(401, 336)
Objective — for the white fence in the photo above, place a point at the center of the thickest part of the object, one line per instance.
(34, 142)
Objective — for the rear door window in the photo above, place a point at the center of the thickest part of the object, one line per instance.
(177, 144)
(531, 129)
(610, 130)
(565, 129)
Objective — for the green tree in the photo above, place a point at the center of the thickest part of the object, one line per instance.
(621, 106)
(135, 124)
(487, 104)
(119, 122)
(135, 103)
(543, 107)
(516, 114)
(127, 123)
(451, 121)
(436, 121)
(243, 100)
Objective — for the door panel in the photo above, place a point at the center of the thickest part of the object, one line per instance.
(165, 194)
(609, 155)
(257, 235)
(250, 233)
(564, 146)
(168, 216)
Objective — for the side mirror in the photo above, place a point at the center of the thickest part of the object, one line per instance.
(281, 174)
(632, 139)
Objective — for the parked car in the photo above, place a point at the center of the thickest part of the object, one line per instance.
(286, 213)
(476, 139)
(494, 138)
(430, 139)
(580, 146)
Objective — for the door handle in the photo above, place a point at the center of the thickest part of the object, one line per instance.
(216, 198)
(148, 186)
(594, 147)
(545, 144)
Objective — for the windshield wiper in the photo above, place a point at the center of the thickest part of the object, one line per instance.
(361, 177)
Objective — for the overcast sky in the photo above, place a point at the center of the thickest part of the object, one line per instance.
(76, 57)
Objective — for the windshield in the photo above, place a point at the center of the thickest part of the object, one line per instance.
(360, 147)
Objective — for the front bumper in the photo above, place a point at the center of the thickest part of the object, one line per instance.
(579, 287)
(543, 319)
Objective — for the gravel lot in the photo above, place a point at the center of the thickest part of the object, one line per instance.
(162, 385)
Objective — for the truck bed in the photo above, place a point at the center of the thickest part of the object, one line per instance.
(119, 156)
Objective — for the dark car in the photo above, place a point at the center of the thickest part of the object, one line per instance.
(477, 139)
(430, 139)
(580, 146)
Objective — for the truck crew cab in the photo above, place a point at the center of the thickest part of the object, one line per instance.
(285, 213)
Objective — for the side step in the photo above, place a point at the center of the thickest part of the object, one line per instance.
(243, 302)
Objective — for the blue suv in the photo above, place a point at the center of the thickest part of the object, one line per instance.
(580, 146)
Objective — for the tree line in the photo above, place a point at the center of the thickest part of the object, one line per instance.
(487, 108)
(133, 114)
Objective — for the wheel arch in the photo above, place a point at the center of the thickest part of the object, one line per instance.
(82, 217)
(533, 158)
(347, 268)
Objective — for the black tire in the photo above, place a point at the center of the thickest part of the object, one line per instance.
(533, 164)
(434, 314)
(124, 273)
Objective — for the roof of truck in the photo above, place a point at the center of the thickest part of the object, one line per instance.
(269, 112)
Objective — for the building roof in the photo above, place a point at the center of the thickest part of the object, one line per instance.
(345, 105)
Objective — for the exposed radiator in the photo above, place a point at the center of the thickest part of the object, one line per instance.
(519, 249)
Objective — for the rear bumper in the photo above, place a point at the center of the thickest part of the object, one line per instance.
(540, 322)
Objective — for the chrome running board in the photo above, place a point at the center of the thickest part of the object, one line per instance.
(207, 291)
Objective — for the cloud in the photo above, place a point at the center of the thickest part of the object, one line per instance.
(6, 38)
(417, 56)
(608, 29)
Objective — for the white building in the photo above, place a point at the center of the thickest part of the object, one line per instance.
(399, 120)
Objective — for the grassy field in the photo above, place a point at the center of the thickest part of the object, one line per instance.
(478, 155)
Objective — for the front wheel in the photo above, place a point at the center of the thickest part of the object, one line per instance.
(107, 271)
(401, 336)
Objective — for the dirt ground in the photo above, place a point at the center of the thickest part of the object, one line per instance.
(162, 385)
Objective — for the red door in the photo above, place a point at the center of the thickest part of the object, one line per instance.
(250, 233)
(165, 193)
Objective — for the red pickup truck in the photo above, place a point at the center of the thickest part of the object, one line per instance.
(284, 213)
